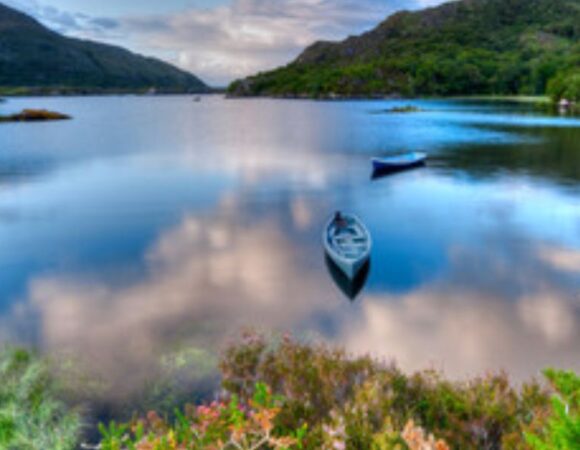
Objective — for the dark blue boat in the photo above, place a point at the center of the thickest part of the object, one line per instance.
(399, 162)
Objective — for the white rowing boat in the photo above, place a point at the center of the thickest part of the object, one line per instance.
(348, 243)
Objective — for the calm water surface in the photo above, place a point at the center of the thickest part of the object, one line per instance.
(149, 230)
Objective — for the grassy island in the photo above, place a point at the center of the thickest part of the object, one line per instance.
(34, 115)
(403, 109)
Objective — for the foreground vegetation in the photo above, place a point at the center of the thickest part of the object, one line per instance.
(486, 47)
(290, 395)
(31, 416)
(286, 394)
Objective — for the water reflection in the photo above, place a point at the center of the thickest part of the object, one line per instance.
(161, 236)
(506, 302)
(205, 280)
(351, 288)
(561, 259)
(377, 174)
(476, 326)
(552, 155)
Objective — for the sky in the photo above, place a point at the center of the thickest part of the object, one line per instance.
(218, 40)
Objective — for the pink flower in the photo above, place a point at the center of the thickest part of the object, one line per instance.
(339, 445)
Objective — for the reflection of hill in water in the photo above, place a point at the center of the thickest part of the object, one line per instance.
(350, 288)
(553, 154)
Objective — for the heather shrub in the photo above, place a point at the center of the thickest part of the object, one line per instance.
(358, 397)
(220, 425)
(312, 378)
(231, 425)
(283, 393)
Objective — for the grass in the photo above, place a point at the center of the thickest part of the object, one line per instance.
(31, 416)
(534, 99)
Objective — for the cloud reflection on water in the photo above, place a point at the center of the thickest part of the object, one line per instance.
(208, 276)
(564, 259)
(466, 332)
(206, 279)
(475, 264)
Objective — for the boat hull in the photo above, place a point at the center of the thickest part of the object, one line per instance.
(379, 166)
(398, 163)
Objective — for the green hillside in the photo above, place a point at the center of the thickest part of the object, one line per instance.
(33, 57)
(468, 47)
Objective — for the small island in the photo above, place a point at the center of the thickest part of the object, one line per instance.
(403, 109)
(34, 115)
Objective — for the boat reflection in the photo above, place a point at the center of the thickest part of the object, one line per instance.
(350, 288)
(379, 173)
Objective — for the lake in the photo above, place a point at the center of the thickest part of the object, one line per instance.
(148, 231)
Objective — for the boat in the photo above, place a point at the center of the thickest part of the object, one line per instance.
(197, 99)
(400, 162)
(347, 243)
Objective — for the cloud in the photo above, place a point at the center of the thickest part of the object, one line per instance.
(230, 40)
(248, 36)
(104, 23)
(66, 22)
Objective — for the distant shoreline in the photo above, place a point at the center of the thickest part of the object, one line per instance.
(15, 92)
(539, 100)
(74, 92)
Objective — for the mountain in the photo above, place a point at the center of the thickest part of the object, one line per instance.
(458, 48)
(32, 56)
